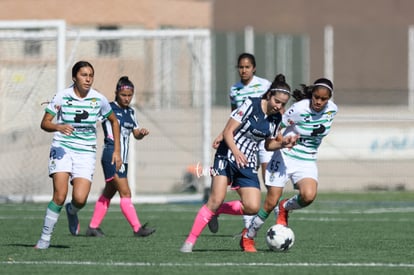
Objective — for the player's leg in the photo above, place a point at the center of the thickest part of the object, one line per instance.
(100, 210)
(307, 194)
(80, 192)
(305, 178)
(82, 173)
(272, 197)
(206, 212)
(60, 189)
(128, 209)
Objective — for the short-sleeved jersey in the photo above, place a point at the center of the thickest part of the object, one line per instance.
(310, 125)
(82, 114)
(255, 126)
(127, 122)
(256, 88)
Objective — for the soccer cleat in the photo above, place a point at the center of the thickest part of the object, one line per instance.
(187, 248)
(94, 232)
(144, 231)
(213, 224)
(74, 226)
(42, 244)
(282, 217)
(247, 244)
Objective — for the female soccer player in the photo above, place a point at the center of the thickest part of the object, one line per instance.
(235, 159)
(73, 150)
(249, 85)
(117, 180)
(311, 118)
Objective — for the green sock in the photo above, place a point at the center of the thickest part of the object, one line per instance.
(263, 214)
(54, 207)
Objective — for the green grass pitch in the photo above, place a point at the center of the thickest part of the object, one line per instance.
(365, 233)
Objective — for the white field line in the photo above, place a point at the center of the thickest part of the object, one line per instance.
(137, 264)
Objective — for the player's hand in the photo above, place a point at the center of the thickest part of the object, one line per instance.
(65, 129)
(289, 141)
(217, 141)
(241, 159)
(116, 159)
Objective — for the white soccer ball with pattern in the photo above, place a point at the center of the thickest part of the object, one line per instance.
(280, 237)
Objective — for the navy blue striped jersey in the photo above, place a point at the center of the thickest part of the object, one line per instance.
(127, 122)
(255, 126)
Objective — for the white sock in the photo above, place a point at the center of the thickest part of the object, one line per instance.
(247, 219)
(254, 227)
(50, 221)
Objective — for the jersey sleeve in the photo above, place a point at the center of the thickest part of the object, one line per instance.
(134, 118)
(54, 105)
(106, 109)
(291, 116)
(242, 113)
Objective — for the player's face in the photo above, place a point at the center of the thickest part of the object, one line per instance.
(276, 103)
(124, 97)
(246, 70)
(84, 79)
(320, 98)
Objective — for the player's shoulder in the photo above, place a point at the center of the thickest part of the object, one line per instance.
(301, 104)
(332, 106)
(237, 86)
(95, 93)
(261, 81)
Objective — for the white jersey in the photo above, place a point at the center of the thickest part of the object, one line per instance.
(256, 88)
(82, 114)
(310, 125)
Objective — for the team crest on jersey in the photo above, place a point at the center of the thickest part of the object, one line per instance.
(329, 115)
(69, 102)
(94, 103)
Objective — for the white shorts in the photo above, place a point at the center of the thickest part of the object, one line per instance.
(263, 154)
(282, 168)
(77, 164)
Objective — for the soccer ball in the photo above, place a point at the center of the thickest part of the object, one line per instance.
(280, 237)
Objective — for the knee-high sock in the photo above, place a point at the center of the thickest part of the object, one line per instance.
(130, 213)
(101, 208)
(231, 208)
(50, 220)
(256, 223)
(294, 203)
(247, 219)
(201, 220)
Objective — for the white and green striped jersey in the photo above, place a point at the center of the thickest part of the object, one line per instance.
(82, 114)
(256, 88)
(310, 125)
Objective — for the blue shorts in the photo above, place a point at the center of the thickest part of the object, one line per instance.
(110, 169)
(239, 177)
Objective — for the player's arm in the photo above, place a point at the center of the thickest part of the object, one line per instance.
(48, 125)
(116, 156)
(228, 136)
(273, 144)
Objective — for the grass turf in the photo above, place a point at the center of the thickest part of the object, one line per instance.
(365, 233)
